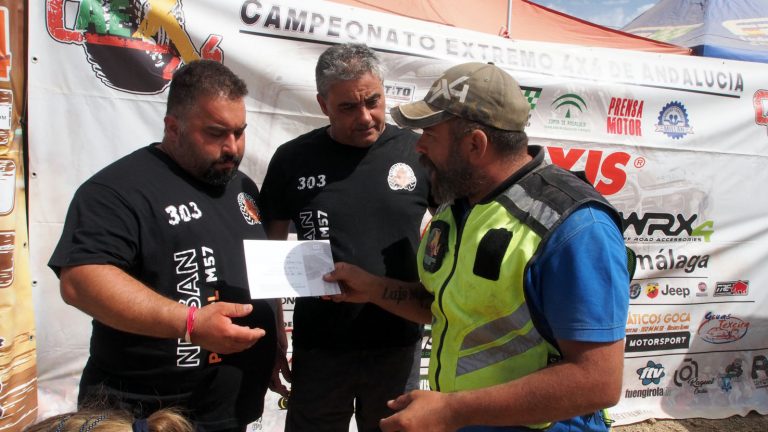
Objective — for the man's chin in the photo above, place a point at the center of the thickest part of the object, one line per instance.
(366, 138)
(219, 177)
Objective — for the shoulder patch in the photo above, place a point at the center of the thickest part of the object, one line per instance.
(436, 247)
(401, 176)
(248, 208)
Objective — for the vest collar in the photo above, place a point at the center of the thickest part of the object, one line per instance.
(537, 153)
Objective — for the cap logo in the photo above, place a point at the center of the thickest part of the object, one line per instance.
(449, 91)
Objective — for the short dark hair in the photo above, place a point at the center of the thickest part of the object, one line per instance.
(345, 62)
(202, 78)
(506, 143)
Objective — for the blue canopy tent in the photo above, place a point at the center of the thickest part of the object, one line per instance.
(729, 29)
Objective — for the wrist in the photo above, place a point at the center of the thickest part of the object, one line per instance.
(455, 408)
(190, 323)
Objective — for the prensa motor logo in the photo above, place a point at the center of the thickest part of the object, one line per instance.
(625, 117)
(132, 45)
(721, 329)
(673, 121)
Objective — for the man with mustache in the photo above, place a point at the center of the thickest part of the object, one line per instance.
(357, 183)
(523, 273)
(150, 250)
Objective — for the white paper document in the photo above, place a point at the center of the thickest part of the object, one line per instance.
(288, 268)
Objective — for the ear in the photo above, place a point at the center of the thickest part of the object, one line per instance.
(478, 146)
(323, 105)
(171, 127)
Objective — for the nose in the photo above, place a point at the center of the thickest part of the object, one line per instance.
(229, 144)
(365, 116)
(420, 147)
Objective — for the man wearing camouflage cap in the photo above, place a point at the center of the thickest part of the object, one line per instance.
(524, 273)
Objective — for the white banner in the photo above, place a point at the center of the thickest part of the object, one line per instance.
(678, 144)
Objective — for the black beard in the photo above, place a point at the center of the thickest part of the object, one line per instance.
(456, 181)
(221, 178)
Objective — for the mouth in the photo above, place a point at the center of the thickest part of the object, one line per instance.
(426, 163)
(366, 131)
(225, 165)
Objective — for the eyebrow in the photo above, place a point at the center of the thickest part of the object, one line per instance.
(220, 128)
(371, 98)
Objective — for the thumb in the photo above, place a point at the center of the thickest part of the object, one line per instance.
(336, 274)
(400, 402)
(236, 310)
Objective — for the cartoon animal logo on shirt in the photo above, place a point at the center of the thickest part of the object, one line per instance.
(132, 45)
(248, 208)
(401, 176)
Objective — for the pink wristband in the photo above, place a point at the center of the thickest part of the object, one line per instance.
(191, 312)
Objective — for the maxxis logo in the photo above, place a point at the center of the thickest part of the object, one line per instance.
(132, 45)
(606, 170)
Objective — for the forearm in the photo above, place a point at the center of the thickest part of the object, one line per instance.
(559, 392)
(116, 299)
(277, 229)
(408, 300)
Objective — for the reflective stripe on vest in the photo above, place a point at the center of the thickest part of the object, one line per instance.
(538, 210)
(517, 321)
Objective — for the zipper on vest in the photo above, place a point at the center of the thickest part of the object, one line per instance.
(459, 230)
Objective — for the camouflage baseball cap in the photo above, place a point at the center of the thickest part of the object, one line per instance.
(480, 92)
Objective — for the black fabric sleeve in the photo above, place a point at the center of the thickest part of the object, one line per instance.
(100, 228)
(273, 199)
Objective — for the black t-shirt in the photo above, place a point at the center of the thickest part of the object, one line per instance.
(370, 203)
(184, 239)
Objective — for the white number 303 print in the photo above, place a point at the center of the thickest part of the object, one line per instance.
(311, 182)
(183, 213)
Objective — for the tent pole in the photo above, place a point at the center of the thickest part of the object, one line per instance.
(509, 16)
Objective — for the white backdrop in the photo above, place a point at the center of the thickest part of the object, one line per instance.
(678, 144)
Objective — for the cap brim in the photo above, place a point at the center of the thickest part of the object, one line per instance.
(418, 115)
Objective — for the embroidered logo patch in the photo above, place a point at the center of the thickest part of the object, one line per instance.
(401, 176)
(436, 247)
(248, 208)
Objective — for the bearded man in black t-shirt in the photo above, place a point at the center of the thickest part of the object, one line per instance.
(357, 183)
(150, 250)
